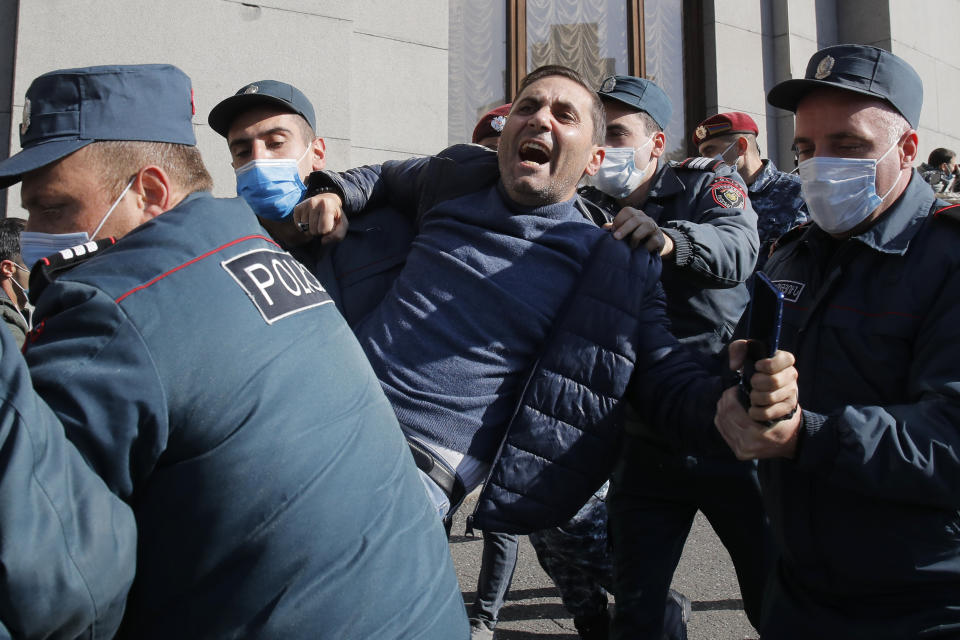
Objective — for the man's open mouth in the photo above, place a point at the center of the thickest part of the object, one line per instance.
(534, 151)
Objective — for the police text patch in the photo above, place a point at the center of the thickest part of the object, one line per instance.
(727, 193)
(277, 284)
(790, 288)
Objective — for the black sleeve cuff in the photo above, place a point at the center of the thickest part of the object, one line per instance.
(682, 247)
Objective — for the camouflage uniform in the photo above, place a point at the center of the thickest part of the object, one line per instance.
(577, 557)
(775, 196)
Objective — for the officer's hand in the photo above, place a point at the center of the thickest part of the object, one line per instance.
(749, 439)
(774, 394)
(322, 215)
(640, 230)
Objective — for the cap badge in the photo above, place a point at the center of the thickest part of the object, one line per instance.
(251, 89)
(608, 85)
(701, 132)
(25, 123)
(497, 123)
(824, 68)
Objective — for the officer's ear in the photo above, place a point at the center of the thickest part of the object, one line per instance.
(659, 144)
(8, 268)
(318, 154)
(911, 145)
(155, 192)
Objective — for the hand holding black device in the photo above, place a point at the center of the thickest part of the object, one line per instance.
(763, 329)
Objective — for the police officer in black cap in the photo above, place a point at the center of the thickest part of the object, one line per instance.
(697, 215)
(861, 484)
(270, 128)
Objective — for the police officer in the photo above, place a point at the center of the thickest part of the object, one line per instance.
(697, 215)
(774, 194)
(861, 483)
(265, 505)
(270, 128)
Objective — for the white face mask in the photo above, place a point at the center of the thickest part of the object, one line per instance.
(618, 176)
(841, 192)
(723, 154)
(36, 244)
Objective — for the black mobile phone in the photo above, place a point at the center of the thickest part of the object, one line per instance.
(763, 328)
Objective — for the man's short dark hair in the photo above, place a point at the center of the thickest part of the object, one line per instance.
(119, 160)
(596, 112)
(940, 156)
(10, 229)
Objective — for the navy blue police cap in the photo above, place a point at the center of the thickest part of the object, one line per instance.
(859, 68)
(263, 92)
(68, 109)
(639, 93)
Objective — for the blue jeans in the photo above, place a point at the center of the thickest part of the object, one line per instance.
(497, 563)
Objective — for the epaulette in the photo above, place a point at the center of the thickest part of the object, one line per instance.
(51, 267)
(948, 212)
(698, 163)
(790, 235)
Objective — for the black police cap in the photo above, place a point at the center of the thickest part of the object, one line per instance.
(861, 69)
(640, 94)
(263, 92)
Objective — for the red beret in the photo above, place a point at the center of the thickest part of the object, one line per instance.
(724, 124)
(491, 124)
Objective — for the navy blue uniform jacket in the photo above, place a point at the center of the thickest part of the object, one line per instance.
(211, 383)
(868, 512)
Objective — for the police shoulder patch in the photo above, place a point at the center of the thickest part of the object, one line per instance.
(699, 163)
(727, 193)
(49, 268)
(277, 284)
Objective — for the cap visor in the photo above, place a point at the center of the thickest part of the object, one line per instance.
(13, 168)
(223, 115)
(788, 94)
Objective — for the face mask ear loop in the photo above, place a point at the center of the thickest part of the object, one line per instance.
(112, 207)
(895, 182)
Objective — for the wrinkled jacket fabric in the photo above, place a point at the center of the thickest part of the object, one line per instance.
(715, 247)
(867, 514)
(269, 503)
(563, 439)
(68, 544)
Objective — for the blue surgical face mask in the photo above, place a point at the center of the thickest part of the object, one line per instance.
(272, 186)
(618, 176)
(35, 244)
(841, 192)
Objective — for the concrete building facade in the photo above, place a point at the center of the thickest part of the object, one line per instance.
(384, 76)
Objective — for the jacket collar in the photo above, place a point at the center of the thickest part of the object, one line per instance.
(898, 225)
(767, 176)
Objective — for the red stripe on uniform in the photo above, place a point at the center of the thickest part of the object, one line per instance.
(197, 259)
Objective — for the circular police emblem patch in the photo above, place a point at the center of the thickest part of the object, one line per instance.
(824, 68)
(251, 89)
(608, 85)
(701, 132)
(728, 194)
(497, 123)
(25, 122)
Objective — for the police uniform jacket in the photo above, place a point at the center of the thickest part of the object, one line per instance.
(563, 438)
(206, 377)
(701, 204)
(868, 512)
